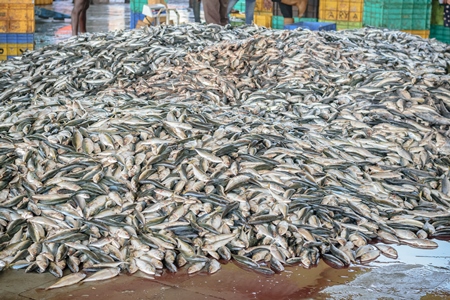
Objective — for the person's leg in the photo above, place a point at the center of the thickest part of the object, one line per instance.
(231, 4)
(83, 17)
(249, 11)
(75, 16)
(223, 11)
(212, 11)
(196, 7)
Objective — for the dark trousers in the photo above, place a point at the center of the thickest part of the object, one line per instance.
(286, 10)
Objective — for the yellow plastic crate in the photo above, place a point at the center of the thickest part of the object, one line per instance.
(17, 26)
(263, 20)
(341, 10)
(43, 2)
(3, 51)
(16, 18)
(259, 7)
(16, 1)
(18, 49)
(238, 16)
(422, 33)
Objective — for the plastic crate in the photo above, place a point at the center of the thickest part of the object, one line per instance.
(422, 33)
(18, 49)
(14, 49)
(296, 20)
(441, 33)
(259, 6)
(240, 6)
(398, 14)
(3, 51)
(15, 38)
(313, 26)
(312, 10)
(343, 25)
(134, 18)
(437, 13)
(43, 2)
(263, 20)
(237, 19)
(341, 10)
(18, 1)
(277, 22)
(238, 16)
(137, 5)
(237, 22)
(16, 18)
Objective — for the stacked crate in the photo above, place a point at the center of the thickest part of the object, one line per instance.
(412, 16)
(238, 19)
(261, 16)
(16, 27)
(43, 2)
(311, 14)
(437, 29)
(347, 14)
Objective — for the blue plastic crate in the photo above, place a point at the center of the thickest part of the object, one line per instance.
(24, 38)
(134, 18)
(313, 26)
(16, 38)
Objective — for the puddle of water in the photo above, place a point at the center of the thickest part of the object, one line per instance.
(439, 257)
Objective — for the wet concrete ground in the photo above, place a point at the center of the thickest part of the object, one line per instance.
(417, 274)
(100, 18)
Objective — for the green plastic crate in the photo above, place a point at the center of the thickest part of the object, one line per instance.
(341, 25)
(398, 14)
(136, 5)
(237, 22)
(240, 6)
(296, 20)
(437, 13)
(277, 22)
(441, 33)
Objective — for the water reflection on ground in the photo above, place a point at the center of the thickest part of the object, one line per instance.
(100, 18)
(416, 274)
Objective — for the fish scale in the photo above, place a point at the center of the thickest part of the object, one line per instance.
(175, 143)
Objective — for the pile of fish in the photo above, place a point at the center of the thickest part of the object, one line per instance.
(171, 147)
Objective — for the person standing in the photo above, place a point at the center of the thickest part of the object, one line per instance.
(78, 17)
(216, 11)
(249, 9)
(196, 8)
